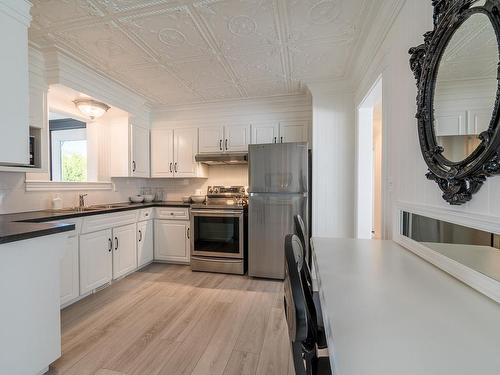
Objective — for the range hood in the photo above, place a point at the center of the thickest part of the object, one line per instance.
(217, 159)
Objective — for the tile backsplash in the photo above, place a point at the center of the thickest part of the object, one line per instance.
(15, 198)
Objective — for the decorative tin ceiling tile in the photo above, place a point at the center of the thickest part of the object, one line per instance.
(106, 43)
(240, 26)
(181, 51)
(202, 73)
(171, 34)
(125, 5)
(46, 13)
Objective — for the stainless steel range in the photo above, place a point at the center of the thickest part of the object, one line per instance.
(219, 230)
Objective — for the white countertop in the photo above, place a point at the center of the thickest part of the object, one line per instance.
(389, 312)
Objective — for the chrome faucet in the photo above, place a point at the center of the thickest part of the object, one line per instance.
(82, 200)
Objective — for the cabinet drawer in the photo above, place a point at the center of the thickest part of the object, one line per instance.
(145, 214)
(100, 222)
(173, 213)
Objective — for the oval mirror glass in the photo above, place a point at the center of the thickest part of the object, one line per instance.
(466, 87)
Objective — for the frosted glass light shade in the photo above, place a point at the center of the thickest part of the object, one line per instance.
(91, 108)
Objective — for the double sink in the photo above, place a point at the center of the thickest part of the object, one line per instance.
(97, 207)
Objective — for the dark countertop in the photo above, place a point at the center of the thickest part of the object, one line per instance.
(26, 225)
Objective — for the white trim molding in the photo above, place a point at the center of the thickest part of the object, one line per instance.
(486, 223)
(476, 280)
(67, 186)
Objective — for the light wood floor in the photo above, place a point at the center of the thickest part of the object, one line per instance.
(166, 319)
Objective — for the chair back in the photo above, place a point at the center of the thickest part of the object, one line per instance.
(301, 328)
(300, 230)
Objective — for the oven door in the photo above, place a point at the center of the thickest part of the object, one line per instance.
(217, 233)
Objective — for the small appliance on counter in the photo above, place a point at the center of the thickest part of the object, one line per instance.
(219, 231)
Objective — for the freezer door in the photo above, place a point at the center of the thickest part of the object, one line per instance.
(278, 168)
(270, 219)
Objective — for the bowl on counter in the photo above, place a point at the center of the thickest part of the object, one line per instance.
(136, 198)
(186, 199)
(198, 198)
(148, 198)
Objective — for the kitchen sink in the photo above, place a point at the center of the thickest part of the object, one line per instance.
(75, 209)
(109, 206)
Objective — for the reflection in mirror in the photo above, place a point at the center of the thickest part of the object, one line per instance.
(473, 248)
(466, 87)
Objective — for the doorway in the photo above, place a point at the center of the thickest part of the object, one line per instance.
(369, 195)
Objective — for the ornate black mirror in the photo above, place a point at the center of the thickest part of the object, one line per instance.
(457, 72)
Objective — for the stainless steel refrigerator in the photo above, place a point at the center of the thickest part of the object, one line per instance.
(278, 190)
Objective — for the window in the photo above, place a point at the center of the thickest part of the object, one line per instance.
(68, 149)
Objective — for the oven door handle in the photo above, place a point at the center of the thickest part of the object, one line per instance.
(229, 213)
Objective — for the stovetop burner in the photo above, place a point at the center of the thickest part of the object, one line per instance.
(224, 197)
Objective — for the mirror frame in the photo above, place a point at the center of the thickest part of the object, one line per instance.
(457, 180)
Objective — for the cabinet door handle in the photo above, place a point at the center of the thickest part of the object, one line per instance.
(226, 144)
(116, 243)
(133, 166)
(170, 167)
(220, 144)
(175, 167)
(188, 234)
(140, 236)
(281, 139)
(274, 139)
(110, 244)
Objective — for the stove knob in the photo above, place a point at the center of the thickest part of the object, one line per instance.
(210, 191)
(216, 190)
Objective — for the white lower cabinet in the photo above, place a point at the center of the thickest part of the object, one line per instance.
(70, 288)
(124, 250)
(172, 241)
(145, 242)
(96, 260)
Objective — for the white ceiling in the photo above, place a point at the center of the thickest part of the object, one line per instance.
(190, 51)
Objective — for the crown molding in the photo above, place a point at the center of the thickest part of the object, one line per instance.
(383, 21)
(17, 9)
(330, 87)
(231, 103)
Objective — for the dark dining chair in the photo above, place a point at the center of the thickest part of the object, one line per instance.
(302, 327)
(312, 297)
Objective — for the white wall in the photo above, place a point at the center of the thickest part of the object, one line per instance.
(406, 182)
(14, 197)
(245, 111)
(333, 161)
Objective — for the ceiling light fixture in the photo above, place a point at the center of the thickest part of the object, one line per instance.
(91, 108)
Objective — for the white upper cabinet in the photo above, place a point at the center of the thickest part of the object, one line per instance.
(140, 151)
(451, 123)
(236, 138)
(162, 153)
(211, 140)
(282, 132)
(129, 150)
(293, 132)
(173, 153)
(14, 94)
(220, 139)
(185, 147)
(265, 133)
(478, 120)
